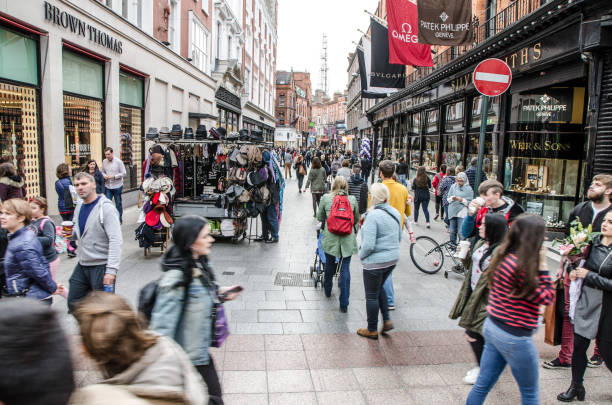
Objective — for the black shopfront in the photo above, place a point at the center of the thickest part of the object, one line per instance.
(539, 143)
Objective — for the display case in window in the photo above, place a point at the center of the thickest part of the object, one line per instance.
(430, 153)
(414, 153)
(490, 162)
(131, 145)
(83, 125)
(452, 149)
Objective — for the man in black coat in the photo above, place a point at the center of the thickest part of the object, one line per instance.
(366, 168)
(359, 189)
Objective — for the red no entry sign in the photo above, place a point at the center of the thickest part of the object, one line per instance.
(492, 77)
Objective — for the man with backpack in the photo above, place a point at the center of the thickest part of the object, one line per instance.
(339, 212)
(400, 200)
(98, 231)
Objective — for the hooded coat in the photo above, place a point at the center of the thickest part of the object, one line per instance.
(188, 323)
(12, 187)
(162, 376)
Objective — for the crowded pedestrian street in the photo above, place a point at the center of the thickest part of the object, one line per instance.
(291, 345)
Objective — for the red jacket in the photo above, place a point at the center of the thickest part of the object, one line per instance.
(436, 181)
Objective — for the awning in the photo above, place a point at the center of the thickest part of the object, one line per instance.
(202, 115)
(21, 25)
(227, 106)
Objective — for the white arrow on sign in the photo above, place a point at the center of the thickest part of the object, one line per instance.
(492, 77)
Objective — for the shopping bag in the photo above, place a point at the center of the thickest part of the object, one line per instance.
(553, 315)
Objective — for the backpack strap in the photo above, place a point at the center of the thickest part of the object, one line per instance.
(391, 215)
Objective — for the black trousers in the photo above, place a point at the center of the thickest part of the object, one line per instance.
(439, 208)
(316, 198)
(300, 178)
(579, 356)
(84, 279)
(211, 378)
(477, 345)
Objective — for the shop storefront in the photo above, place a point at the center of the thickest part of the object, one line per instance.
(251, 124)
(131, 124)
(20, 141)
(228, 110)
(536, 140)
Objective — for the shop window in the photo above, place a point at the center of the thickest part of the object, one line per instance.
(414, 153)
(431, 123)
(492, 114)
(415, 124)
(81, 75)
(430, 153)
(452, 149)
(131, 127)
(454, 117)
(83, 125)
(18, 59)
(491, 152)
(541, 172)
(19, 133)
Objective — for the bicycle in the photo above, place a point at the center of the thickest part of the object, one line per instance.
(428, 256)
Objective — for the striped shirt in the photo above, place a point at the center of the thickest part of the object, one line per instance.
(519, 315)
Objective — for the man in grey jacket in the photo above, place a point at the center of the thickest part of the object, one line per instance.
(97, 228)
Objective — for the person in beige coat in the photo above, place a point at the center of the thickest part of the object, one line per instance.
(139, 366)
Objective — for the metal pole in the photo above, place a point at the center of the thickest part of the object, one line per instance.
(481, 142)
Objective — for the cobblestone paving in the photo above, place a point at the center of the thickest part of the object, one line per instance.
(291, 345)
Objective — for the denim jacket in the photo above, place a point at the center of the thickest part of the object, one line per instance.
(194, 331)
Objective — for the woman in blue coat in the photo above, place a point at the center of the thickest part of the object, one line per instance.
(26, 270)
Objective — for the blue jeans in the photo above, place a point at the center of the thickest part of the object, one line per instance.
(344, 280)
(402, 179)
(116, 193)
(424, 204)
(503, 348)
(446, 220)
(389, 292)
(269, 222)
(376, 298)
(455, 227)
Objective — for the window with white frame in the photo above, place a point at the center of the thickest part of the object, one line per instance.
(261, 91)
(174, 25)
(255, 89)
(199, 44)
(247, 80)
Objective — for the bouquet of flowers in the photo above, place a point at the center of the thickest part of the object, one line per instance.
(576, 246)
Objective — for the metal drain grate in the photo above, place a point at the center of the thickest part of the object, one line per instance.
(294, 280)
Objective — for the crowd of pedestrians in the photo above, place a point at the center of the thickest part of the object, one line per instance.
(167, 359)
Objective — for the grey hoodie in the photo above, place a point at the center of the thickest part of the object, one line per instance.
(101, 240)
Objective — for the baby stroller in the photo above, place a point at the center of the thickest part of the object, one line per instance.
(318, 268)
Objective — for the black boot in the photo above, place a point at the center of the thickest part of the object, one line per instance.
(574, 391)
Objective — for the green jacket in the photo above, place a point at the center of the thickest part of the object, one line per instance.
(316, 180)
(471, 306)
(338, 245)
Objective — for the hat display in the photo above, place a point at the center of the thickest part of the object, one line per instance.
(218, 133)
(265, 156)
(176, 132)
(152, 218)
(256, 135)
(233, 136)
(152, 133)
(164, 133)
(188, 134)
(244, 134)
(200, 133)
(165, 219)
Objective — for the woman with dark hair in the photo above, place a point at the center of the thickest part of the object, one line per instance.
(471, 303)
(519, 284)
(316, 181)
(187, 295)
(135, 363)
(300, 171)
(11, 184)
(593, 314)
(62, 187)
(93, 169)
(421, 186)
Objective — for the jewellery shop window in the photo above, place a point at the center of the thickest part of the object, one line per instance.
(83, 110)
(430, 153)
(19, 108)
(131, 127)
(452, 149)
(545, 147)
(414, 153)
(492, 149)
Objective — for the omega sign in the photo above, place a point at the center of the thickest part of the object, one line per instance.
(80, 27)
(406, 35)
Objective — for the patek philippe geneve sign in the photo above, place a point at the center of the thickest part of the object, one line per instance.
(80, 27)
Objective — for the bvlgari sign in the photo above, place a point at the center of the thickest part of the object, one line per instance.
(80, 27)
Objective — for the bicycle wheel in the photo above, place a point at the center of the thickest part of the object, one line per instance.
(427, 255)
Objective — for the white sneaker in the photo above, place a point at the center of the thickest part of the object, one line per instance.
(471, 376)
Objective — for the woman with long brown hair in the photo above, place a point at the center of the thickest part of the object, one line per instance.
(300, 171)
(421, 186)
(134, 362)
(519, 283)
(316, 181)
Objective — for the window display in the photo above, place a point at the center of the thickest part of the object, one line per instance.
(19, 132)
(452, 149)
(415, 124)
(414, 152)
(228, 120)
(83, 125)
(431, 126)
(131, 127)
(454, 117)
(490, 162)
(492, 114)
(430, 153)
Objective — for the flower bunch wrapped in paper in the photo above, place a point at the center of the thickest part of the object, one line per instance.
(574, 251)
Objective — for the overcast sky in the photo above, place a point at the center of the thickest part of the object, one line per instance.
(301, 25)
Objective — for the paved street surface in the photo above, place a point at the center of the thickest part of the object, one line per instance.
(291, 345)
